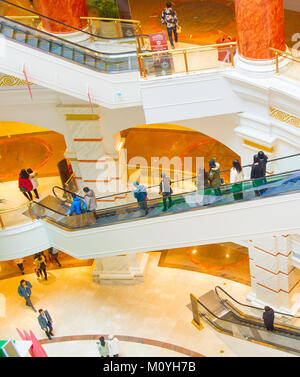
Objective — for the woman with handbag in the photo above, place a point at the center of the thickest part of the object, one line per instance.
(25, 184)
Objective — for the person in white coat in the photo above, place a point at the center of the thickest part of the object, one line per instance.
(113, 346)
(90, 200)
(236, 178)
(34, 181)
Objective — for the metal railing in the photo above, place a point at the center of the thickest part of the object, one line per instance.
(113, 27)
(10, 210)
(284, 54)
(185, 60)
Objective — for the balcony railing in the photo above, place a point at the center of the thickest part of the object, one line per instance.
(186, 60)
(293, 70)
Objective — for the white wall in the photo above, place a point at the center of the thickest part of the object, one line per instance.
(178, 97)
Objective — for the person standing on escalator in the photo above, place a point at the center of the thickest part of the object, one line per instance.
(140, 193)
(268, 317)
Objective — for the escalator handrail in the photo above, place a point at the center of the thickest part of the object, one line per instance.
(222, 171)
(249, 306)
(134, 204)
(58, 40)
(62, 23)
(225, 186)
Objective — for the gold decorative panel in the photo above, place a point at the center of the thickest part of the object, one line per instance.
(6, 80)
(284, 117)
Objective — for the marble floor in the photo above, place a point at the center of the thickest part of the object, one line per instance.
(155, 309)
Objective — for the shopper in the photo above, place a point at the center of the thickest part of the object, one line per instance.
(53, 253)
(268, 317)
(41, 266)
(262, 161)
(78, 206)
(140, 193)
(103, 347)
(24, 290)
(236, 177)
(45, 322)
(25, 184)
(202, 179)
(169, 18)
(113, 346)
(34, 181)
(256, 173)
(214, 176)
(90, 200)
(19, 262)
(166, 191)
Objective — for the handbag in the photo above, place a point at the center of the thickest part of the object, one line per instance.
(23, 188)
(178, 29)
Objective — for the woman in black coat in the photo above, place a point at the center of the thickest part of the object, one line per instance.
(256, 172)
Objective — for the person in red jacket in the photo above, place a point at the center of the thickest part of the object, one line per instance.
(25, 184)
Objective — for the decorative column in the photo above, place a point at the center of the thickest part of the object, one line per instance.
(273, 276)
(260, 25)
(93, 166)
(67, 12)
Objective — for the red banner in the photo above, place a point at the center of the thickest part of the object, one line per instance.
(158, 41)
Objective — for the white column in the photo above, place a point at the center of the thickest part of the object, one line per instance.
(121, 269)
(92, 164)
(273, 277)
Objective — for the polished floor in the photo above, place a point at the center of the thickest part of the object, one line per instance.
(40, 151)
(9, 269)
(203, 22)
(227, 260)
(155, 309)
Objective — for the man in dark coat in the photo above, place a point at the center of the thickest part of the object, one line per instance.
(256, 172)
(268, 317)
(24, 290)
(45, 322)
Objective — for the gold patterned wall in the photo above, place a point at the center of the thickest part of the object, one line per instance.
(284, 117)
(6, 80)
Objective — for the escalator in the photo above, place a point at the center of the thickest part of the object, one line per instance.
(55, 208)
(227, 315)
(62, 48)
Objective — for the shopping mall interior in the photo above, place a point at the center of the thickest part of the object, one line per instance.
(92, 94)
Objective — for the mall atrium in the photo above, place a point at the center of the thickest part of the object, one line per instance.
(121, 211)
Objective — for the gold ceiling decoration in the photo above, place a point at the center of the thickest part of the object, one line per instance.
(284, 117)
(6, 80)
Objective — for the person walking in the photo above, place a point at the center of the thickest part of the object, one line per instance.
(113, 346)
(236, 178)
(169, 18)
(24, 290)
(140, 193)
(268, 317)
(54, 255)
(41, 266)
(78, 206)
(90, 200)
(34, 181)
(166, 191)
(256, 172)
(25, 184)
(103, 347)
(214, 176)
(19, 262)
(45, 321)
